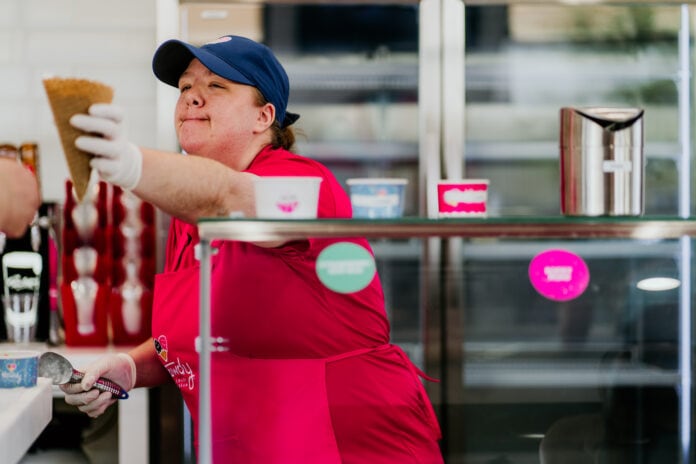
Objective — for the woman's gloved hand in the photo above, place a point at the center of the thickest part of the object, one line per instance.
(118, 161)
(119, 368)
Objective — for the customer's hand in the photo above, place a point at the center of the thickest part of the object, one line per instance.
(116, 159)
(119, 368)
(19, 197)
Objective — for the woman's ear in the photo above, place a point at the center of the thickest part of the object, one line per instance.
(266, 116)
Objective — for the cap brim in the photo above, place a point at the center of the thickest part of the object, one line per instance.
(173, 57)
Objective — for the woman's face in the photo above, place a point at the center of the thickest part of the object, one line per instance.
(217, 118)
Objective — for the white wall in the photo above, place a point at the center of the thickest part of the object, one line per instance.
(106, 40)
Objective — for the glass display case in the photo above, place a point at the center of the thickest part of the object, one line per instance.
(474, 89)
(354, 77)
(528, 375)
(524, 61)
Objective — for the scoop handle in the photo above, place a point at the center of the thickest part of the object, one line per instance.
(102, 384)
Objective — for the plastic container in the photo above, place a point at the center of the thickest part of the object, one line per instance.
(377, 198)
(18, 368)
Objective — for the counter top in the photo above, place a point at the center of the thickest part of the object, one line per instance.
(133, 414)
(24, 413)
(79, 356)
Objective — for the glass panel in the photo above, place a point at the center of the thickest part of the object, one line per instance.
(591, 379)
(525, 62)
(528, 376)
(398, 267)
(353, 73)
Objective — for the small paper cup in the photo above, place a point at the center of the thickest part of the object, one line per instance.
(463, 198)
(377, 198)
(287, 197)
(18, 369)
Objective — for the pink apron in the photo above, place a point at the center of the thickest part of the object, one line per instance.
(263, 410)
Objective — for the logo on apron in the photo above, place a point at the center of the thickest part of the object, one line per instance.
(181, 372)
(161, 347)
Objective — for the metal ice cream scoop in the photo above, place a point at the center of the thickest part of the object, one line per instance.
(60, 371)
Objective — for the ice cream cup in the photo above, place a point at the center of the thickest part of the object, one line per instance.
(462, 198)
(18, 368)
(287, 197)
(377, 198)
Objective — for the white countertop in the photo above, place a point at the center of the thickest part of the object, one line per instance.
(78, 356)
(133, 422)
(24, 413)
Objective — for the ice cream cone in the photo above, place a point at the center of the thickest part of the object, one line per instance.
(69, 96)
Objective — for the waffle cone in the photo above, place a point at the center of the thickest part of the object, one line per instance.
(69, 96)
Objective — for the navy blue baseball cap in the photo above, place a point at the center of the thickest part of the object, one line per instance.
(235, 58)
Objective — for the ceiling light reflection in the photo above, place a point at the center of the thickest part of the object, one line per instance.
(658, 284)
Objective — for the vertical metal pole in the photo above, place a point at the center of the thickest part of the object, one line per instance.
(168, 22)
(205, 448)
(684, 92)
(685, 349)
(453, 106)
(453, 96)
(429, 139)
(429, 104)
(685, 242)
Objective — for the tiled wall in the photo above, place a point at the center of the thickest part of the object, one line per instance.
(106, 40)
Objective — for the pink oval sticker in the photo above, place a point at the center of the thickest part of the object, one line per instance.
(559, 275)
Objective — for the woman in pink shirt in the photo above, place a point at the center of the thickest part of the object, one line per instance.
(308, 374)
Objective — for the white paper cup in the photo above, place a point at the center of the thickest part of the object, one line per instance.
(377, 198)
(287, 197)
(462, 198)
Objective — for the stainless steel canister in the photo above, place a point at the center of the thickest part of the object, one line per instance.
(602, 163)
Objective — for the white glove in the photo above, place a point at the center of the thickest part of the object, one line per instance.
(119, 368)
(116, 159)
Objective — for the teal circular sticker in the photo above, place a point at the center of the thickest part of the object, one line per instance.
(345, 267)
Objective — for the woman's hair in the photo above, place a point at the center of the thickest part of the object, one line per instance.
(281, 137)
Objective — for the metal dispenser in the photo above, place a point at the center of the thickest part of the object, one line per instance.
(602, 163)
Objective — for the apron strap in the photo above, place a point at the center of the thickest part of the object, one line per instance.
(430, 412)
(417, 372)
(358, 352)
(415, 369)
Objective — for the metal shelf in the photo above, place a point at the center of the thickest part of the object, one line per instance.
(512, 228)
(360, 151)
(579, 2)
(468, 2)
(476, 151)
(353, 73)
